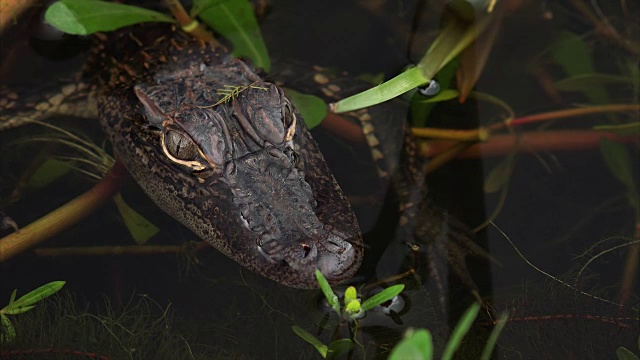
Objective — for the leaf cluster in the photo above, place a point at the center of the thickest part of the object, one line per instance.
(24, 304)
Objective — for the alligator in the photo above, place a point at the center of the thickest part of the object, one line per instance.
(227, 154)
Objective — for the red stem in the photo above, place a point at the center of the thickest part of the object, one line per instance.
(64, 217)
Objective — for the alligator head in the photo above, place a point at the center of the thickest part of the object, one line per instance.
(228, 155)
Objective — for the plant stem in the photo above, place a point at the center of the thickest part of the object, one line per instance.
(566, 114)
(189, 25)
(631, 267)
(480, 134)
(63, 217)
(10, 10)
(604, 29)
(534, 141)
(120, 250)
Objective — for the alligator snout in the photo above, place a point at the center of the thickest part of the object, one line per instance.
(326, 251)
(339, 264)
(333, 257)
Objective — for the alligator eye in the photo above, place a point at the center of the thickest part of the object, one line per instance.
(180, 146)
(289, 121)
(288, 115)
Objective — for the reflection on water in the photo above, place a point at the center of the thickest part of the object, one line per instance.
(562, 199)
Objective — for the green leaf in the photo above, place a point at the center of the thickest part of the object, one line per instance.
(443, 95)
(338, 347)
(200, 6)
(400, 84)
(306, 336)
(454, 38)
(625, 354)
(48, 172)
(234, 19)
(13, 296)
(373, 79)
(350, 295)
(416, 346)
(8, 331)
(36, 295)
(582, 81)
(328, 292)
(619, 162)
(383, 296)
(15, 310)
(140, 228)
(499, 176)
(493, 337)
(353, 306)
(312, 108)
(422, 106)
(572, 53)
(621, 129)
(83, 17)
(463, 326)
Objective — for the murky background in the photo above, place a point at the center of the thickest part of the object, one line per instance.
(556, 204)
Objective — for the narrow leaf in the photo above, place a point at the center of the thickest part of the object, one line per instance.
(452, 40)
(474, 58)
(331, 297)
(140, 228)
(83, 17)
(493, 337)
(8, 331)
(48, 172)
(443, 95)
(13, 296)
(417, 346)
(312, 108)
(621, 129)
(383, 296)
(625, 354)
(338, 347)
(234, 19)
(499, 176)
(581, 81)
(619, 162)
(306, 336)
(400, 84)
(422, 106)
(15, 310)
(572, 53)
(38, 294)
(463, 326)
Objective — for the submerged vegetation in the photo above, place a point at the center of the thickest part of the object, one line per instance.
(61, 328)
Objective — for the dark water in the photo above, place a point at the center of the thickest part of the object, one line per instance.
(558, 204)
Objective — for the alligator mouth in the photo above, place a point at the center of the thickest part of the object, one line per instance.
(332, 253)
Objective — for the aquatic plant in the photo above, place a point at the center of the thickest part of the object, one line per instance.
(23, 304)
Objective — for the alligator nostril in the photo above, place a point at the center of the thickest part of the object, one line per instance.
(307, 249)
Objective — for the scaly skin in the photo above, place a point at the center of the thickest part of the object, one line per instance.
(243, 173)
